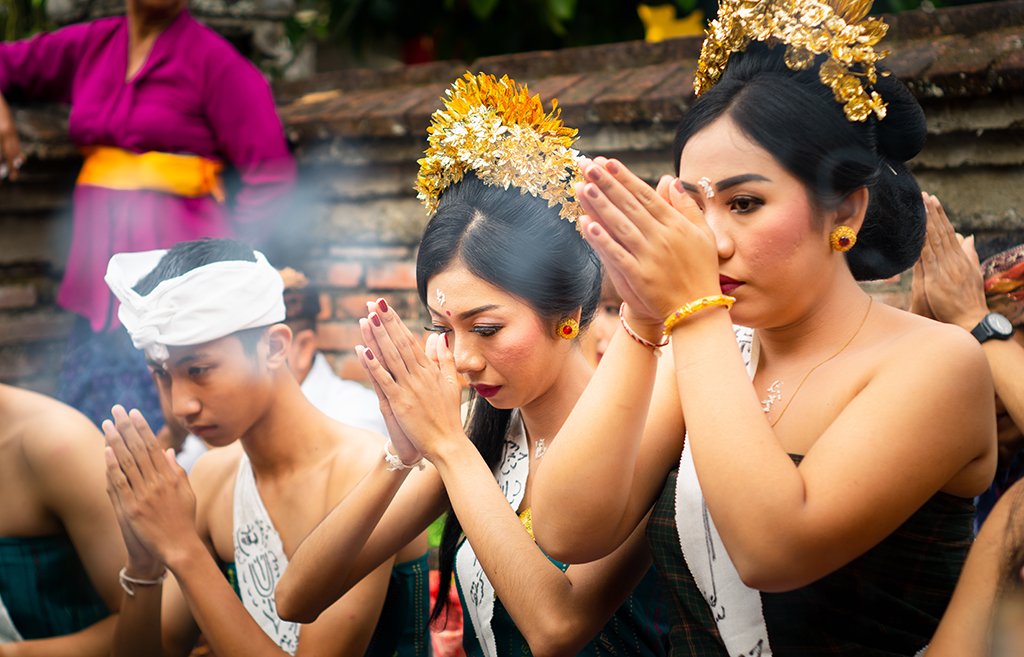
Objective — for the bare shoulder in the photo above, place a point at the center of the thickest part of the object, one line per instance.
(357, 451)
(357, 444)
(214, 469)
(51, 431)
(930, 347)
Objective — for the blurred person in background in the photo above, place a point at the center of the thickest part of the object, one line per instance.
(987, 300)
(160, 105)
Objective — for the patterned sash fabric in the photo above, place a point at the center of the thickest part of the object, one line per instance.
(479, 605)
(735, 606)
(886, 603)
(45, 588)
(259, 560)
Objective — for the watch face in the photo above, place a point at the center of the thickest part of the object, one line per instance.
(999, 324)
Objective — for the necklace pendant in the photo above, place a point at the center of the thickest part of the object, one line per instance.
(774, 395)
(539, 450)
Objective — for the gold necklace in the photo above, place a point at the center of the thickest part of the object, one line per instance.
(774, 393)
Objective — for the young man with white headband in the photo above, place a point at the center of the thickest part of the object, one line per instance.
(208, 315)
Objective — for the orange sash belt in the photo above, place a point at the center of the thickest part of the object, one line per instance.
(181, 175)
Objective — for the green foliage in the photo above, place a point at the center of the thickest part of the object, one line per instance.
(21, 18)
(467, 29)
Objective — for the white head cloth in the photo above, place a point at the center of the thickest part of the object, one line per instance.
(204, 304)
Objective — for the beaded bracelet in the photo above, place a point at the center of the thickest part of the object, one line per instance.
(636, 336)
(688, 309)
(395, 462)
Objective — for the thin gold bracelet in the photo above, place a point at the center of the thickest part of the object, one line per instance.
(688, 309)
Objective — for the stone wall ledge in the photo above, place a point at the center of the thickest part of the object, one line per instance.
(967, 52)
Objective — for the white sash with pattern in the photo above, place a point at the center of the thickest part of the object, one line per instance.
(259, 560)
(735, 606)
(511, 474)
(8, 633)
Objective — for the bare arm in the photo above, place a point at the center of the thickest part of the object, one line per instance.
(65, 460)
(838, 503)
(629, 424)
(557, 612)
(948, 286)
(384, 512)
(965, 629)
(154, 497)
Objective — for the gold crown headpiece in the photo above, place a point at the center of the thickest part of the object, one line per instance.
(807, 28)
(495, 129)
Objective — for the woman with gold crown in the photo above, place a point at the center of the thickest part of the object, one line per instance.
(509, 284)
(808, 480)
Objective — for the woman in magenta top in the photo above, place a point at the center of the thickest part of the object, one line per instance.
(142, 86)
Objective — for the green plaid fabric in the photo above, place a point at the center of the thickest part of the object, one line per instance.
(45, 587)
(886, 603)
(639, 628)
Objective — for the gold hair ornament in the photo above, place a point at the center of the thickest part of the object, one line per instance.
(495, 129)
(808, 28)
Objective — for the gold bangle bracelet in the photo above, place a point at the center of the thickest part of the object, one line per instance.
(688, 309)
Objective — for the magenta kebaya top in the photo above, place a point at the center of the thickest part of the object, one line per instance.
(194, 95)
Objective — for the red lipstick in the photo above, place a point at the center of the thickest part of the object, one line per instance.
(486, 391)
(728, 284)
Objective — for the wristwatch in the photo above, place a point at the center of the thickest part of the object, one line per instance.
(992, 326)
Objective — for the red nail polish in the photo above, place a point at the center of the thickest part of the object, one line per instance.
(369, 355)
(594, 173)
(382, 304)
(612, 166)
(375, 319)
(593, 192)
(446, 341)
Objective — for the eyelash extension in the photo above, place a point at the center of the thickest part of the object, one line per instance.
(486, 331)
(436, 329)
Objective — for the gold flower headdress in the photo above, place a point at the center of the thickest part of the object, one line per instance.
(495, 129)
(807, 28)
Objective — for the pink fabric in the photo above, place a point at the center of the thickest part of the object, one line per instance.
(195, 94)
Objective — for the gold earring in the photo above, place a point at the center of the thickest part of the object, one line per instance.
(568, 328)
(842, 238)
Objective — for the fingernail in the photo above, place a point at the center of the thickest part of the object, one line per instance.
(19, 162)
(594, 230)
(594, 173)
(382, 304)
(678, 186)
(375, 318)
(446, 341)
(3, 171)
(369, 354)
(593, 192)
(613, 166)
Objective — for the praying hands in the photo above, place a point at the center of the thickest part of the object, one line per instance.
(420, 390)
(152, 498)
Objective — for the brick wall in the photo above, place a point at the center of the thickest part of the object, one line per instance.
(357, 134)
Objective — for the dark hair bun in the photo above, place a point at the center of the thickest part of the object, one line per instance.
(901, 133)
(891, 238)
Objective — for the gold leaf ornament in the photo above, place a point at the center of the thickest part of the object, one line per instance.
(837, 28)
(494, 128)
